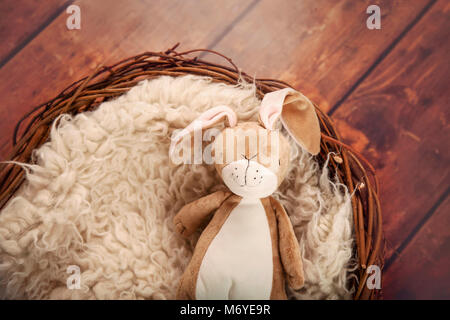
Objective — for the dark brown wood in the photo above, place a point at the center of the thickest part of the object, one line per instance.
(422, 270)
(20, 20)
(321, 47)
(399, 117)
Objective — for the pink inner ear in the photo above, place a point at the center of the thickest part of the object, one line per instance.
(269, 115)
(271, 107)
(213, 116)
(208, 119)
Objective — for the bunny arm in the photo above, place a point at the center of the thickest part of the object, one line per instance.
(193, 214)
(288, 246)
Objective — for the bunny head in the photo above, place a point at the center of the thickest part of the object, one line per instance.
(252, 158)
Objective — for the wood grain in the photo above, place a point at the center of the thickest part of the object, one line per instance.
(399, 118)
(307, 54)
(20, 20)
(319, 46)
(422, 270)
(110, 30)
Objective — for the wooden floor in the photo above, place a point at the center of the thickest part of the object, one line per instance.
(387, 90)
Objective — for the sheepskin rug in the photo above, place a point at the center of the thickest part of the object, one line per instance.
(100, 199)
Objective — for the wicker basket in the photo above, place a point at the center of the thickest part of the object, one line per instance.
(109, 82)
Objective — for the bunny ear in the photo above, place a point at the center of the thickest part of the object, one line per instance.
(297, 115)
(206, 120)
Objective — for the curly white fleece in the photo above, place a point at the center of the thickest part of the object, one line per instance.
(102, 196)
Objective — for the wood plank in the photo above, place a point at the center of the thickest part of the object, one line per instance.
(399, 118)
(110, 30)
(422, 270)
(319, 46)
(21, 19)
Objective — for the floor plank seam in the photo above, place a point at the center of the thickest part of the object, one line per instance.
(35, 33)
(416, 229)
(382, 56)
(230, 26)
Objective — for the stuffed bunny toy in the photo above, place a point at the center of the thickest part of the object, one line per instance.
(248, 250)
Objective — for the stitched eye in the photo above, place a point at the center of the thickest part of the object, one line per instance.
(279, 162)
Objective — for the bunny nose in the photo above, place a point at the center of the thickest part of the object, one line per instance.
(246, 172)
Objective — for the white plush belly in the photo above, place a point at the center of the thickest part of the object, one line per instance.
(238, 263)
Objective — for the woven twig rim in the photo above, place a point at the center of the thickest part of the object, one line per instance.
(111, 81)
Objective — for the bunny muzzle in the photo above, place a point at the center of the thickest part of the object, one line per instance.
(249, 179)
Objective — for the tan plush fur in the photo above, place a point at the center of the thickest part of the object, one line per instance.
(102, 197)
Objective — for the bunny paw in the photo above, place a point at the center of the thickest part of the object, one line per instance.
(179, 227)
